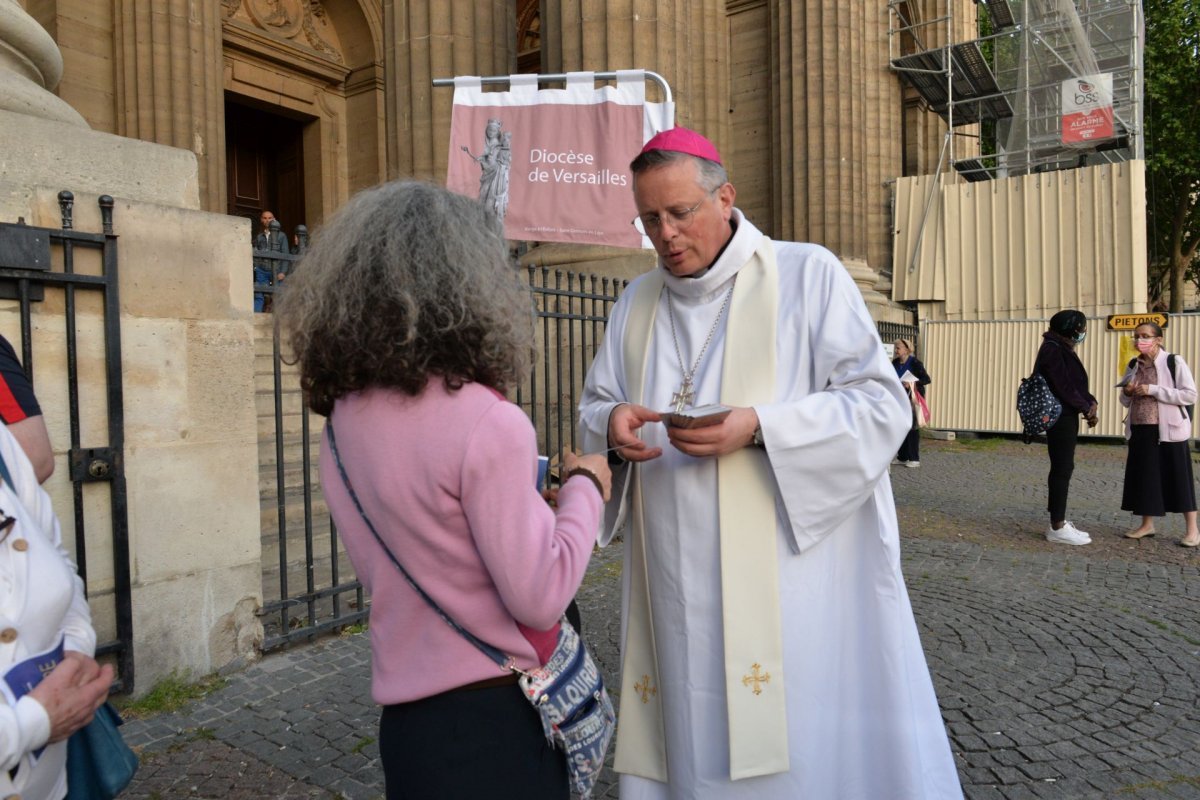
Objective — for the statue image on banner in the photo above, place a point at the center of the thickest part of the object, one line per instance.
(495, 162)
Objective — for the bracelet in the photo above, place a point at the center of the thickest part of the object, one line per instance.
(590, 475)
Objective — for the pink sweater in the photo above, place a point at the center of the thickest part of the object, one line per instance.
(447, 478)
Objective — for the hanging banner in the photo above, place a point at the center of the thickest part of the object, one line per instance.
(553, 164)
(1087, 113)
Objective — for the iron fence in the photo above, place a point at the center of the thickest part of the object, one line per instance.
(311, 583)
(72, 268)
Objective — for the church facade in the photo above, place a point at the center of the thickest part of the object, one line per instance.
(297, 104)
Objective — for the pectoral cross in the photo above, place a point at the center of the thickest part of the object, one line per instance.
(755, 678)
(645, 689)
(684, 397)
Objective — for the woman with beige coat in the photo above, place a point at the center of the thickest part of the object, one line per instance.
(1157, 388)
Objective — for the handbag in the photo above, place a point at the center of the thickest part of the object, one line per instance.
(567, 691)
(99, 763)
(920, 409)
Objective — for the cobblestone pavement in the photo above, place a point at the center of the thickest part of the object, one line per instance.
(1062, 672)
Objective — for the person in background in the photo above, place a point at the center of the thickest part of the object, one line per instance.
(268, 270)
(408, 325)
(43, 603)
(1068, 381)
(19, 410)
(1156, 388)
(905, 360)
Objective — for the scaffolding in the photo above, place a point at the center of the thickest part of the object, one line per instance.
(1013, 80)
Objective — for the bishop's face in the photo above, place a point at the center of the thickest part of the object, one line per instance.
(687, 223)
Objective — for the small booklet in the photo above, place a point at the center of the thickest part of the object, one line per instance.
(908, 377)
(698, 417)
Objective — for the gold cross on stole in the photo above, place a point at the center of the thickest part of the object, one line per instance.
(755, 678)
(645, 689)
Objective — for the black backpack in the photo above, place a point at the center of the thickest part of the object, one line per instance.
(1190, 409)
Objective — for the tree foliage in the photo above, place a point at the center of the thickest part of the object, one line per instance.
(1172, 121)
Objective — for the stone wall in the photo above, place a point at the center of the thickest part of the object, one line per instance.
(188, 359)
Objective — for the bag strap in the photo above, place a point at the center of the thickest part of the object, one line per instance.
(1037, 356)
(5, 474)
(503, 661)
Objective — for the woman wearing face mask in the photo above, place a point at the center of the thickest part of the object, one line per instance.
(1158, 470)
(1068, 380)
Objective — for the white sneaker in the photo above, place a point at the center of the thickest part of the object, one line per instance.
(896, 461)
(1068, 534)
(912, 464)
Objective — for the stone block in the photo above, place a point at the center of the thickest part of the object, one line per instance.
(193, 507)
(44, 153)
(194, 623)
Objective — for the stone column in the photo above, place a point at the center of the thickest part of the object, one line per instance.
(30, 67)
(423, 40)
(169, 83)
(838, 110)
(684, 41)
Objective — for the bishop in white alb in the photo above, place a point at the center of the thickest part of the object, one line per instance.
(862, 720)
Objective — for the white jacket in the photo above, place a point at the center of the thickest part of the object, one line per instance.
(41, 601)
(1172, 395)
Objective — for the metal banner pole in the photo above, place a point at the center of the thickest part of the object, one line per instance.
(559, 77)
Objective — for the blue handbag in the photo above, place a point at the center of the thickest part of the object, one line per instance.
(99, 763)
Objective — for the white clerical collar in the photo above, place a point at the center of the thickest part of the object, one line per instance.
(739, 250)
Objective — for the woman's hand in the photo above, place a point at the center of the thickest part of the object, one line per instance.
(72, 692)
(594, 463)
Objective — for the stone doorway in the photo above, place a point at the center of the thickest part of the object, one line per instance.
(264, 158)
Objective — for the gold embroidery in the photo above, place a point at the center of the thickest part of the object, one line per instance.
(755, 678)
(645, 689)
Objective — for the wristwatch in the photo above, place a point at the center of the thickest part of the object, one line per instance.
(757, 439)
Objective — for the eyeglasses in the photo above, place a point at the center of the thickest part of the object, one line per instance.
(680, 220)
(6, 525)
(1144, 336)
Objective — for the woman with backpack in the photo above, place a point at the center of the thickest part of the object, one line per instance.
(1157, 388)
(1068, 380)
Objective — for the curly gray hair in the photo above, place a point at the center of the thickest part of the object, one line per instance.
(405, 282)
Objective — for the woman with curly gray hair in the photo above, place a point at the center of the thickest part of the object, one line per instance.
(408, 324)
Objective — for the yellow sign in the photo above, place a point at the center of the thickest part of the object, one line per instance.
(1128, 322)
(1126, 352)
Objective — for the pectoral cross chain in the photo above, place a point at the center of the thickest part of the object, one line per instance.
(687, 392)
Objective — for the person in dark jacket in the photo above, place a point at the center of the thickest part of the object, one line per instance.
(904, 361)
(1068, 380)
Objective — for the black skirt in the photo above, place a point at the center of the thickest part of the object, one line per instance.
(1158, 476)
(469, 743)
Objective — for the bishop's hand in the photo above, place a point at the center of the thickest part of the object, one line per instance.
(733, 433)
(623, 425)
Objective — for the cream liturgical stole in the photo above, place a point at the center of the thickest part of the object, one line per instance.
(754, 685)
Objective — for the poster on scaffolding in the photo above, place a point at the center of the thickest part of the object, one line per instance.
(1087, 111)
(553, 164)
